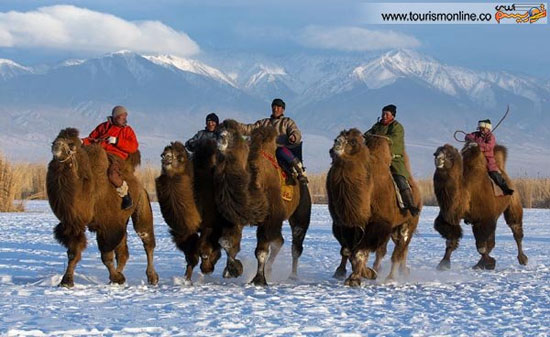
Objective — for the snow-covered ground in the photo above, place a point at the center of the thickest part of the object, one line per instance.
(510, 301)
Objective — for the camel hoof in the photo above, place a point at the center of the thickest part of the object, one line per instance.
(352, 282)
(153, 278)
(369, 273)
(117, 278)
(293, 277)
(522, 258)
(444, 265)
(259, 280)
(233, 270)
(390, 279)
(340, 273)
(487, 263)
(66, 282)
(405, 271)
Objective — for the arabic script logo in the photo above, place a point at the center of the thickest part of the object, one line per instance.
(522, 13)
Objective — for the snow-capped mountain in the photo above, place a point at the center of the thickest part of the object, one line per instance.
(169, 96)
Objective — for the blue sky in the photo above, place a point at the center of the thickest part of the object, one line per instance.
(192, 28)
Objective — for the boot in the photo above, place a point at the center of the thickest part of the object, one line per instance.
(126, 202)
(408, 201)
(499, 180)
(298, 171)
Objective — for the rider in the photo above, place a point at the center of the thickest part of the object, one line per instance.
(119, 140)
(391, 128)
(288, 138)
(210, 132)
(486, 141)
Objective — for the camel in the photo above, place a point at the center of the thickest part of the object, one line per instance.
(248, 191)
(464, 191)
(265, 191)
(175, 193)
(364, 207)
(81, 196)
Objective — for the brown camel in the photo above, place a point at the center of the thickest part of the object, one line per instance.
(364, 207)
(265, 192)
(464, 191)
(176, 198)
(81, 197)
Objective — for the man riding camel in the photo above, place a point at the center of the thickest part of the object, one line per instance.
(119, 140)
(289, 138)
(391, 128)
(209, 132)
(486, 141)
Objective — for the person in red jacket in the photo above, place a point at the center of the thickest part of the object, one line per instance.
(486, 141)
(119, 140)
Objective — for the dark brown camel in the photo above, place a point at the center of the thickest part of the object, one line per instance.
(81, 197)
(265, 192)
(464, 191)
(364, 207)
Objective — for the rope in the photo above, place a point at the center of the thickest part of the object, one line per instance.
(459, 140)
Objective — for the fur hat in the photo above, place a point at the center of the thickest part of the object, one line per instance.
(278, 102)
(486, 123)
(212, 117)
(119, 110)
(391, 108)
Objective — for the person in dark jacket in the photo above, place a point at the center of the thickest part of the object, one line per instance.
(391, 128)
(289, 138)
(119, 140)
(486, 141)
(210, 132)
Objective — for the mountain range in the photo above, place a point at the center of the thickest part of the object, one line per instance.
(168, 97)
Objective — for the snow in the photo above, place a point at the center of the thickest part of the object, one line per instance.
(510, 301)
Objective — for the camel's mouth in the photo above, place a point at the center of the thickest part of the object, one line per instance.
(167, 159)
(339, 146)
(61, 151)
(439, 160)
(223, 141)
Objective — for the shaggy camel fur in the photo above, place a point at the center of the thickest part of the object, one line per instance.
(81, 197)
(265, 189)
(464, 191)
(177, 202)
(364, 207)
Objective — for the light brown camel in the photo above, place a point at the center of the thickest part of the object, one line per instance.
(464, 191)
(364, 207)
(265, 192)
(81, 197)
(176, 197)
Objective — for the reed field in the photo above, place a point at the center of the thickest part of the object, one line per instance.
(27, 181)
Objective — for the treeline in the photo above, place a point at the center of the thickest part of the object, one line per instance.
(24, 181)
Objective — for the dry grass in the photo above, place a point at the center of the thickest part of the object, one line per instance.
(24, 181)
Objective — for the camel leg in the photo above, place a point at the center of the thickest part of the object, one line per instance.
(274, 248)
(107, 243)
(142, 219)
(299, 223)
(190, 247)
(358, 260)
(514, 219)
(266, 233)
(484, 234)
(340, 272)
(122, 254)
(380, 253)
(452, 233)
(75, 242)
(209, 248)
(231, 243)
(401, 237)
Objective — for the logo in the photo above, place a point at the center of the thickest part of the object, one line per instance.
(521, 13)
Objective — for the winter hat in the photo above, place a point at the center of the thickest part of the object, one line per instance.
(212, 117)
(119, 110)
(391, 108)
(486, 123)
(278, 102)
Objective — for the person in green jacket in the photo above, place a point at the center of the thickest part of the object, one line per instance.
(391, 128)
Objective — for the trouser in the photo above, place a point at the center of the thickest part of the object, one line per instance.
(405, 191)
(114, 171)
(284, 156)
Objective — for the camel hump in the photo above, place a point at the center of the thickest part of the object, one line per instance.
(263, 134)
(133, 160)
(501, 154)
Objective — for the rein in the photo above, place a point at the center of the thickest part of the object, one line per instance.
(273, 162)
(494, 129)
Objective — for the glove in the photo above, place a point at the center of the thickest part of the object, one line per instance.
(111, 140)
(292, 139)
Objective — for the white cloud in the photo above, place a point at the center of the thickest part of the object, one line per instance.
(355, 39)
(78, 29)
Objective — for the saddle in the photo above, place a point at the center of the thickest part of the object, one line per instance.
(400, 202)
(287, 189)
(497, 191)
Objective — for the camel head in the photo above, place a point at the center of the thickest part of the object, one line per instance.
(229, 135)
(446, 156)
(348, 143)
(66, 144)
(174, 157)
